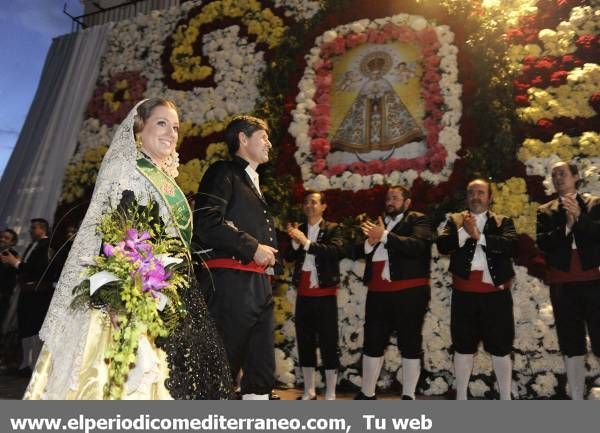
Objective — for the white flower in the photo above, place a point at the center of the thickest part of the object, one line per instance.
(478, 388)
(545, 384)
(438, 386)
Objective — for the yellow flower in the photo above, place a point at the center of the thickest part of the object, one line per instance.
(510, 198)
(267, 27)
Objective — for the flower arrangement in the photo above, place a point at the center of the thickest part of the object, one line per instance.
(136, 280)
(111, 102)
(265, 26)
(496, 39)
(510, 198)
(81, 174)
(439, 90)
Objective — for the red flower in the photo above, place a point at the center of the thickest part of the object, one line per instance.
(558, 78)
(545, 64)
(538, 82)
(320, 147)
(586, 42)
(522, 100)
(595, 102)
(319, 165)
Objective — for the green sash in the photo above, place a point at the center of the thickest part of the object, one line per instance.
(173, 196)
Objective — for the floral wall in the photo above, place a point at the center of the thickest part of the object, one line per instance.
(503, 89)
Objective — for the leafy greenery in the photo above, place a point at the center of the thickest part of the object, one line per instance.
(133, 239)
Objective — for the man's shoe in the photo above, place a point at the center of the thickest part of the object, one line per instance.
(273, 396)
(361, 396)
(406, 397)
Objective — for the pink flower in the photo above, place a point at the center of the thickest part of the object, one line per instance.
(319, 126)
(323, 80)
(336, 169)
(321, 110)
(319, 165)
(353, 40)
(320, 147)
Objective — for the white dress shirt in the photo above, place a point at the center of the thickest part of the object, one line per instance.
(568, 230)
(381, 253)
(309, 264)
(253, 177)
(479, 262)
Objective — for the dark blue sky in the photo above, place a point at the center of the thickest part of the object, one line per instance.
(27, 28)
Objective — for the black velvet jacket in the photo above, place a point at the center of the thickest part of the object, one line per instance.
(231, 217)
(502, 244)
(556, 244)
(328, 251)
(409, 249)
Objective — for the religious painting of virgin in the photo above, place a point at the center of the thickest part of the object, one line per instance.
(376, 102)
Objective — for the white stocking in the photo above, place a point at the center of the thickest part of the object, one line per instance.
(463, 365)
(370, 373)
(503, 369)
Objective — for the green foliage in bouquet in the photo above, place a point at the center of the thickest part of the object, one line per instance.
(136, 279)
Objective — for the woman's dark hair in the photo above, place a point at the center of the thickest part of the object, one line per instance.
(246, 124)
(144, 111)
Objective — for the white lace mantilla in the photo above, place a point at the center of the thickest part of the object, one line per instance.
(65, 328)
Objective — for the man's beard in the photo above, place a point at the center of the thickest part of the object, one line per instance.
(392, 212)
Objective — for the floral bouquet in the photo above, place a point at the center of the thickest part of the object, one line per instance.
(136, 279)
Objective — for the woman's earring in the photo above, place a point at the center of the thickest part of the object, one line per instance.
(138, 142)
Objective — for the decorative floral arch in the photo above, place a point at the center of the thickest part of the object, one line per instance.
(439, 90)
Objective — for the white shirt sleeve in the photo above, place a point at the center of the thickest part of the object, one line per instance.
(462, 236)
(307, 245)
(368, 247)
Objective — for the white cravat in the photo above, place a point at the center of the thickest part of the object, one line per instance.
(253, 177)
(479, 262)
(381, 253)
(568, 231)
(309, 261)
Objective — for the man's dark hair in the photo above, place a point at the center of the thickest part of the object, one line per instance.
(405, 191)
(246, 124)
(321, 194)
(42, 223)
(13, 234)
(575, 172)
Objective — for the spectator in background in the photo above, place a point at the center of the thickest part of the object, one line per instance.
(8, 279)
(35, 290)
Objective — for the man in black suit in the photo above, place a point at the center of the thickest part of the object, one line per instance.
(481, 245)
(568, 232)
(234, 227)
(8, 281)
(35, 290)
(316, 249)
(398, 255)
(8, 273)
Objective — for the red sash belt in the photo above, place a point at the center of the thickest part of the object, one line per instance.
(575, 273)
(304, 288)
(475, 284)
(377, 284)
(233, 264)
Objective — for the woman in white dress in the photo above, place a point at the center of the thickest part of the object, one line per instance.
(190, 363)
